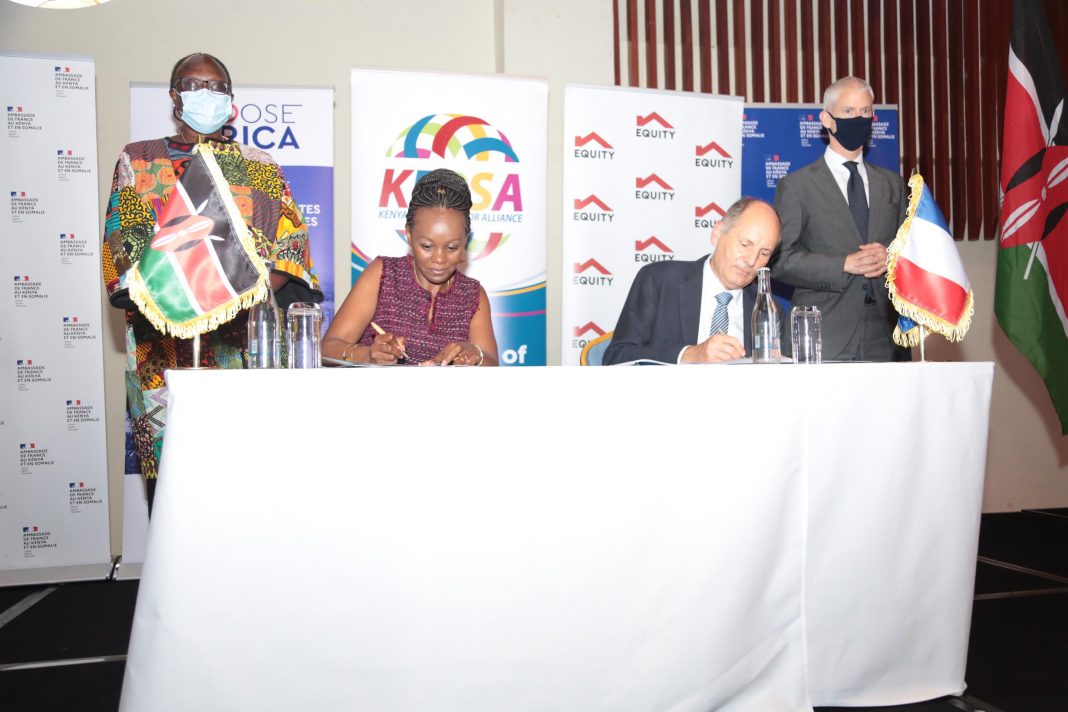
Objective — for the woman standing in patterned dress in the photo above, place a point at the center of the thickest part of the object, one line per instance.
(426, 310)
(145, 175)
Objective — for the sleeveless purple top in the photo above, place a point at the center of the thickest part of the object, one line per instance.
(404, 309)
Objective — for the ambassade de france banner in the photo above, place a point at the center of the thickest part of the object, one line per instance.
(489, 129)
(53, 483)
(647, 174)
(780, 138)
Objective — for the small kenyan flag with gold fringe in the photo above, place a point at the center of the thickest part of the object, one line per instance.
(200, 268)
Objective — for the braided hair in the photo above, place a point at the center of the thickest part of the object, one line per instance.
(200, 55)
(440, 188)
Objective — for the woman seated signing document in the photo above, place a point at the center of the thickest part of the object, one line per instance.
(419, 308)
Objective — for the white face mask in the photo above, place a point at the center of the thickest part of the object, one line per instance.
(205, 111)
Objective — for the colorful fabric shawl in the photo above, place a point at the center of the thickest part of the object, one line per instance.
(144, 181)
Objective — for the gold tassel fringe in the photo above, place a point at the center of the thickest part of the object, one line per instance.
(952, 332)
(209, 321)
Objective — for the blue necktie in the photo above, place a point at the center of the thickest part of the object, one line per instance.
(858, 206)
(719, 316)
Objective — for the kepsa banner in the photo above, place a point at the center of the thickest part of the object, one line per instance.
(492, 131)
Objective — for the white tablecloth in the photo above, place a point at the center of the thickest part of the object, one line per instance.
(562, 538)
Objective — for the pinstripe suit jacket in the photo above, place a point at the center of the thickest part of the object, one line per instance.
(818, 232)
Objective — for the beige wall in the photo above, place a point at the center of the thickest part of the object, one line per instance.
(315, 42)
(1027, 457)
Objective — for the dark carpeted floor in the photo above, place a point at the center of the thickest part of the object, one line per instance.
(1017, 658)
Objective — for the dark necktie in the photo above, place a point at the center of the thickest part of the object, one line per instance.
(858, 201)
(858, 206)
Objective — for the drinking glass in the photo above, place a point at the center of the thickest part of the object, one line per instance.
(806, 334)
(304, 320)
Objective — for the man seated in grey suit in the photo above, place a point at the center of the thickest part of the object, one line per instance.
(838, 215)
(699, 312)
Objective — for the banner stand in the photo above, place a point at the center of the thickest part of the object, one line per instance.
(53, 482)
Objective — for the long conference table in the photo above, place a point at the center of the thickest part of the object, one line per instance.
(679, 538)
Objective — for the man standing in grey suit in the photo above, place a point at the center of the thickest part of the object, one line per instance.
(838, 215)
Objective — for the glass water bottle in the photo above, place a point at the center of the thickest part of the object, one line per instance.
(766, 322)
(264, 334)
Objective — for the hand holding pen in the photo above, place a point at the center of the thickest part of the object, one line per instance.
(387, 348)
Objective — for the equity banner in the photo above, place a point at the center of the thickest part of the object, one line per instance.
(647, 174)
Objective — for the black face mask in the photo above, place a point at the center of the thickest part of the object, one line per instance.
(852, 133)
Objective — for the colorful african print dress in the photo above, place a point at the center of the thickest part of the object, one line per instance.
(145, 175)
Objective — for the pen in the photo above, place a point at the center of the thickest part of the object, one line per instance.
(378, 329)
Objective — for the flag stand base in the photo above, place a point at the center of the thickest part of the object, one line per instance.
(196, 356)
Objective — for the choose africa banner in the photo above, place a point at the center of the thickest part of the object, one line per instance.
(780, 138)
(293, 124)
(296, 126)
(491, 130)
(647, 174)
(53, 483)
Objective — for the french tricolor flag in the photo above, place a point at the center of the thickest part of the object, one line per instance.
(925, 275)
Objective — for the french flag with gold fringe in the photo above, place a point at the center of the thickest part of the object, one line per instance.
(925, 276)
(200, 268)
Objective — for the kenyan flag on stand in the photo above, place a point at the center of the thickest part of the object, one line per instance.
(1032, 279)
(200, 268)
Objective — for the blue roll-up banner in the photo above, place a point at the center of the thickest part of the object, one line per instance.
(780, 138)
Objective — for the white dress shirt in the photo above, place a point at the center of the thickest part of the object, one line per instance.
(710, 287)
(837, 163)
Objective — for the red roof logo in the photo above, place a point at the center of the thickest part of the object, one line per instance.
(711, 207)
(652, 178)
(586, 328)
(582, 267)
(581, 141)
(712, 146)
(580, 204)
(642, 245)
(643, 120)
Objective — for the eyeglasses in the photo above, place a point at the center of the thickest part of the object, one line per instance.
(194, 83)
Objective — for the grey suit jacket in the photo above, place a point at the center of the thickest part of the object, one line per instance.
(818, 232)
(662, 310)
